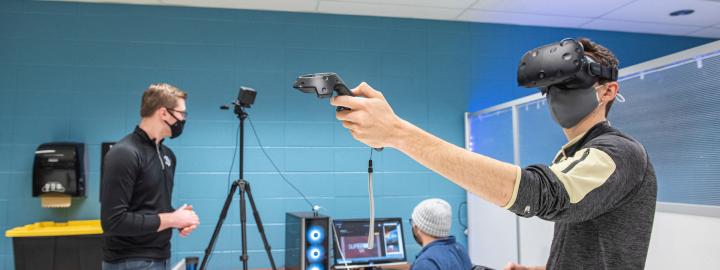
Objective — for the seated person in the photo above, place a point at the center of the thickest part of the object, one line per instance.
(431, 221)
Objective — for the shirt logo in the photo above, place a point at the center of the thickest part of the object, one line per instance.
(167, 161)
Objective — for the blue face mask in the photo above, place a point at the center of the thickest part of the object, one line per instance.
(569, 107)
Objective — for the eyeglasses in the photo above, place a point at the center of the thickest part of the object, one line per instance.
(183, 113)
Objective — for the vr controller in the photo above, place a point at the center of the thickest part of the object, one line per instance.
(563, 64)
(323, 84)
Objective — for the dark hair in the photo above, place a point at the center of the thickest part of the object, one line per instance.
(603, 56)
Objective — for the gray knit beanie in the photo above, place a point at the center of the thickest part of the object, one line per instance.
(433, 217)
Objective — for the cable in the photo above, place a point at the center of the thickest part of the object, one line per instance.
(370, 191)
(337, 242)
(257, 138)
(232, 165)
(371, 233)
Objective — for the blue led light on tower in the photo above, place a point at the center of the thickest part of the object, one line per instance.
(315, 235)
(307, 241)
(315, 254)
(316, 266)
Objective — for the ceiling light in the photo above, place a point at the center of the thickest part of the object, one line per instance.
(682, 12)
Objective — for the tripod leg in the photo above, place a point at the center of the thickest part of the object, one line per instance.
(218, 226)
(243, 223)
(260, 226)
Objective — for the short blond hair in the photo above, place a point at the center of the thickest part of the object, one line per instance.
(160, 95)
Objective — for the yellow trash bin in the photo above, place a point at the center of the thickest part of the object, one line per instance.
(58, 245)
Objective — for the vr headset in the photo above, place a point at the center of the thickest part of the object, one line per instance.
(563, 65)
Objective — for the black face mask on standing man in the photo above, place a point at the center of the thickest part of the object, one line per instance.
(177, 128)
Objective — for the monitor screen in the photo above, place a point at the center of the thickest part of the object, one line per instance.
(352, 240)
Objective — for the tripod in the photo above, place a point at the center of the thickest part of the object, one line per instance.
(244, 187)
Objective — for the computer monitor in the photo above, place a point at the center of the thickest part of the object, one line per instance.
(352, 240)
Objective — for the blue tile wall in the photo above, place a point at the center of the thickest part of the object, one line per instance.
(76, 72)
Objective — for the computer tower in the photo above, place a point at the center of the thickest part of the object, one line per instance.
(307, 241)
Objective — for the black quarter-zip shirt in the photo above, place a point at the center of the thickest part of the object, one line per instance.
(137, 185)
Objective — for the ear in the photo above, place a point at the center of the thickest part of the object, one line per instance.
(418, 231)
(608, 92)
(161, 112)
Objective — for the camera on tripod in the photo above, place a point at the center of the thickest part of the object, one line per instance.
(246, 97)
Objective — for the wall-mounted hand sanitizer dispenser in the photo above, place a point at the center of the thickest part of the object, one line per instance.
(59, 173)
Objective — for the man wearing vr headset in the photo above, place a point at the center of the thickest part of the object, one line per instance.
(600, 189)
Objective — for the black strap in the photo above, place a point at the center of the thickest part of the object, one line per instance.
(602, 71)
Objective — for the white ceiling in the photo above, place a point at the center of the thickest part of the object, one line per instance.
(641, 16)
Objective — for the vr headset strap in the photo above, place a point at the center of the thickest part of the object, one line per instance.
(602, 71)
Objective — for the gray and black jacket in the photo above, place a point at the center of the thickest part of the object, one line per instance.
(600, 191)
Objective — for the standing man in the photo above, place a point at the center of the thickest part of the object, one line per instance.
(600, 189)
(137, 184)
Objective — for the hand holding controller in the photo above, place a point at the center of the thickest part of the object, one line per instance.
(324, 84)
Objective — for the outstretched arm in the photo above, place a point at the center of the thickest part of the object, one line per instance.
(373, 122)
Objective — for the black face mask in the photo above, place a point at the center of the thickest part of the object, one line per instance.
(177, 128)
(416, 237)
